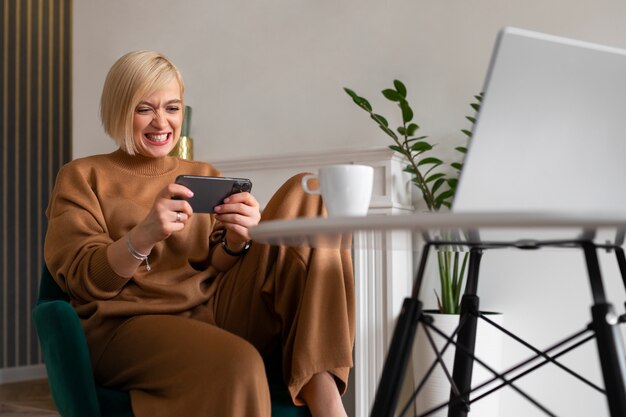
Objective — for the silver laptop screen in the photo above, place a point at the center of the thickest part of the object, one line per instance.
(551, 133)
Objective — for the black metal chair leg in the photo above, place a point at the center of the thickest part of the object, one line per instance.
(394, 370)
(608, 337)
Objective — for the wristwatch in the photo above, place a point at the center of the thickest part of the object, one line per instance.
(230, 251)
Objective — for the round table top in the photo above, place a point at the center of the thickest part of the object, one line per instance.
(460, 227)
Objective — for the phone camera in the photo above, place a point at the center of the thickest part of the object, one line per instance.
(242, 187)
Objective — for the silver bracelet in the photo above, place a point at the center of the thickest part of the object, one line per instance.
(135, 254)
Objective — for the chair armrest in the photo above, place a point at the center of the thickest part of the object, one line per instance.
(66, 356)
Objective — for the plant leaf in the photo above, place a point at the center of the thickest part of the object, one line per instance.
(388, 131)
(418, 184)
(461, 149)
(417, 138)
(379, 119)
(461, 277)
(410, 130)
(351, 93)
(439, 306)
(468, 133)
(475, 106)
(401, 130)
(407, 113)
(437, 185)
(363, 103)
(421, 147)
(457, 165)
(430, 160)
(392, 95)
(444, 196)
(434, 177)
(471, 119)
(409, 169)
(444, 278)
(400, 88)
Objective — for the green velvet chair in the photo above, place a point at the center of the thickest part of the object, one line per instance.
(70, 376)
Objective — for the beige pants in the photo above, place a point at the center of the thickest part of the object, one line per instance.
(296, 301)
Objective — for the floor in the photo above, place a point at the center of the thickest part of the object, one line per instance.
(25, 399)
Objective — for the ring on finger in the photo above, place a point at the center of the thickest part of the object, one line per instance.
(178, 219)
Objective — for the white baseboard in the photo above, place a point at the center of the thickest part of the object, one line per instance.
(22, 373)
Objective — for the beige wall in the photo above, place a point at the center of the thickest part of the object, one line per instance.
(266, 77)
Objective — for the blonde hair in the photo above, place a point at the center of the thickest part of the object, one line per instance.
(133, 76)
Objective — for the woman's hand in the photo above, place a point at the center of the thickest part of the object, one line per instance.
(238, 214)
(167, 215)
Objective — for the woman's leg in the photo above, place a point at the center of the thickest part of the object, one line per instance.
(299, 299)
(322, 397)
(175, 366)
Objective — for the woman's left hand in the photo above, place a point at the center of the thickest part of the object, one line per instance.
(238, 214)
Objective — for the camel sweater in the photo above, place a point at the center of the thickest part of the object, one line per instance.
(96, 201)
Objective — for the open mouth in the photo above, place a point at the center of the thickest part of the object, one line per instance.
(157, 138)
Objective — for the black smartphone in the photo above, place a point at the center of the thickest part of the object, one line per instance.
(209, 192)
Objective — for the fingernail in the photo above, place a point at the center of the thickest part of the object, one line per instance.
(226, 200)
(217, 209)
(190, 194)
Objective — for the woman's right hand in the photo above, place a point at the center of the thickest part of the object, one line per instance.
(169, 214)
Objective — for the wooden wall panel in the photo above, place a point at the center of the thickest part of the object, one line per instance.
(35, 132)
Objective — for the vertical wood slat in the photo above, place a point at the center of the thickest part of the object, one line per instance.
(35, 129)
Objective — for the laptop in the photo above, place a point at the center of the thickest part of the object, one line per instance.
(551, 132)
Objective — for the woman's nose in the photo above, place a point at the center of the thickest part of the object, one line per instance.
(159, 118)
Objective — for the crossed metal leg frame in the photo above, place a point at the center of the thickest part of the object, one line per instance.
(603, 328)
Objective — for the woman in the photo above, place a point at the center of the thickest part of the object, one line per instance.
(181, 308)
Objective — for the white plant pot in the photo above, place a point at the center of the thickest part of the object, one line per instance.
(436, 391)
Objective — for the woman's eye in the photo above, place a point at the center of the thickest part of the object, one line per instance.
(143, 110)
(173, 109)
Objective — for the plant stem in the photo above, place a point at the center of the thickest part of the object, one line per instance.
(428, 197)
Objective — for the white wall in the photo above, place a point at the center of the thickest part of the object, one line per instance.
(266, 77)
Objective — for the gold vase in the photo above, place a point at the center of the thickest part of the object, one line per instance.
(184, 147)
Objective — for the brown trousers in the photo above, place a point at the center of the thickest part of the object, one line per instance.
(299, 300)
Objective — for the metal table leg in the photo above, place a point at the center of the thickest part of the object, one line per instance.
(463, 361)
(608, 337)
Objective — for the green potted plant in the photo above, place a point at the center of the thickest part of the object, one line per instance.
(432, 177)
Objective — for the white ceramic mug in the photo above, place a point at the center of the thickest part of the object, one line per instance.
(346, 189)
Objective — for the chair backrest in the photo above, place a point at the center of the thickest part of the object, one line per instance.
(65, 352)
(49, 290)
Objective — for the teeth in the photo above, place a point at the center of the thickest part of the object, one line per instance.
(157, 138)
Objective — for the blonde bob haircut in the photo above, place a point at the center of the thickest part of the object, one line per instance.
(133, 76)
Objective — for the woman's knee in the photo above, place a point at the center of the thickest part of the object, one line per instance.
(239, 361)
(170, 347)
(291, 201)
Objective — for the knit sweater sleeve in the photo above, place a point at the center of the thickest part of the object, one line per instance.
(77, 239)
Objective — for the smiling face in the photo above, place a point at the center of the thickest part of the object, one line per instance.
(157, 121)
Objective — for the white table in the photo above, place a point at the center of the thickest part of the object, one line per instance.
(478, 232)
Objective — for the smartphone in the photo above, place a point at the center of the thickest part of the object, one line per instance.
(209, 192)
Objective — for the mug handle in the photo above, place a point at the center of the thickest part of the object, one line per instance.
(305, 184)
